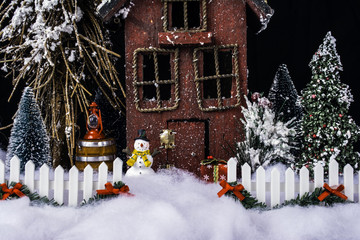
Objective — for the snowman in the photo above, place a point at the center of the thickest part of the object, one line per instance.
(141, 160)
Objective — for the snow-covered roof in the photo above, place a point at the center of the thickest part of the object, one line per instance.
(262, 10)
(108, 8)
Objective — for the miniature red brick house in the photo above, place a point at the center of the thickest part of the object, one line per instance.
(186, 71)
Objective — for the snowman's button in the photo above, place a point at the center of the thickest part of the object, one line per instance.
(139, 172)
(139, 166)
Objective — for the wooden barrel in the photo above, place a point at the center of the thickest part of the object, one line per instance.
(94, 152)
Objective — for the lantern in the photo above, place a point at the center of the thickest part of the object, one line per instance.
(94, 123)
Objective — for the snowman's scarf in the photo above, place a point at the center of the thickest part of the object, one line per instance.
(142, 154)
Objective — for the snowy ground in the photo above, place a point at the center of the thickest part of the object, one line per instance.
(175, 205)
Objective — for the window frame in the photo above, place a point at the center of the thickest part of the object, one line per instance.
(160, 105)
(166, 14)
(219, 103)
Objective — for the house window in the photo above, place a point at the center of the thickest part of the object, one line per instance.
(217, 77)
(155, 78)
(184, 15)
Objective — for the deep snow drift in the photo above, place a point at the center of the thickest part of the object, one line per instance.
(175, 205)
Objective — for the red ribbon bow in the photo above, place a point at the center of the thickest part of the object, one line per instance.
(15, 190)
(110, 190)
(329, 190)
(236, 190)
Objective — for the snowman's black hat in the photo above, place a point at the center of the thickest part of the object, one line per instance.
(142, 135)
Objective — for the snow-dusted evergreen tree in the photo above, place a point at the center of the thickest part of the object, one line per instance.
(283, 96)
(329, 132)
(285, 103)
(267, 140)
(28, 138)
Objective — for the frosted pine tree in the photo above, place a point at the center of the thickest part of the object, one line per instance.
(283, 96)
(28, 138)
(266, 139)
(329, 132)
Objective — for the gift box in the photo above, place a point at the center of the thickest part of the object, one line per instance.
(213, 170)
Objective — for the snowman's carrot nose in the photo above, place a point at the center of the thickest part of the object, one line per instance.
(141, 145)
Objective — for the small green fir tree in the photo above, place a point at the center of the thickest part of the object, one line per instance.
(284, 97)
(328, 131)
(28, 138)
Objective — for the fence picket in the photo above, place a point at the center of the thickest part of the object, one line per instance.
(59, 185)
(349, 182)
(103, 171)
(30, 175)
(73, 186)
(44, 181)
(260, 184)
(304, 181)
(289, 184)
(246, 176)
(117, 170)
(2, 171)
(275, 187)
(318, 175)
(88, 182)
(333, 173)
(14, 169)
(231, 170)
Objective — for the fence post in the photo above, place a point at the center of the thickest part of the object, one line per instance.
(117, 170)
(88, 182)
(14, 169)
(59, 185)
(30, 175)
(260, 184)
(44, 181)
(349, 182)
(246, 176)
(103, 171)
(289, 184)
(318, 175)
(304, 181)
(73, 186)
(2, 171)
(333, 173)
(275, 187)
(231, 170)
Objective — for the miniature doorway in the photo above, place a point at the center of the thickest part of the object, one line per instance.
(191, 144)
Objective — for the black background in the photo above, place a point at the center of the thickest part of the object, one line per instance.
(293, 35)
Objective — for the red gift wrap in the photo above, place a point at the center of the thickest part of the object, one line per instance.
(213, 170)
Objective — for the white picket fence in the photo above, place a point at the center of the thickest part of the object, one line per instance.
(290, 187)
(74, 189)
